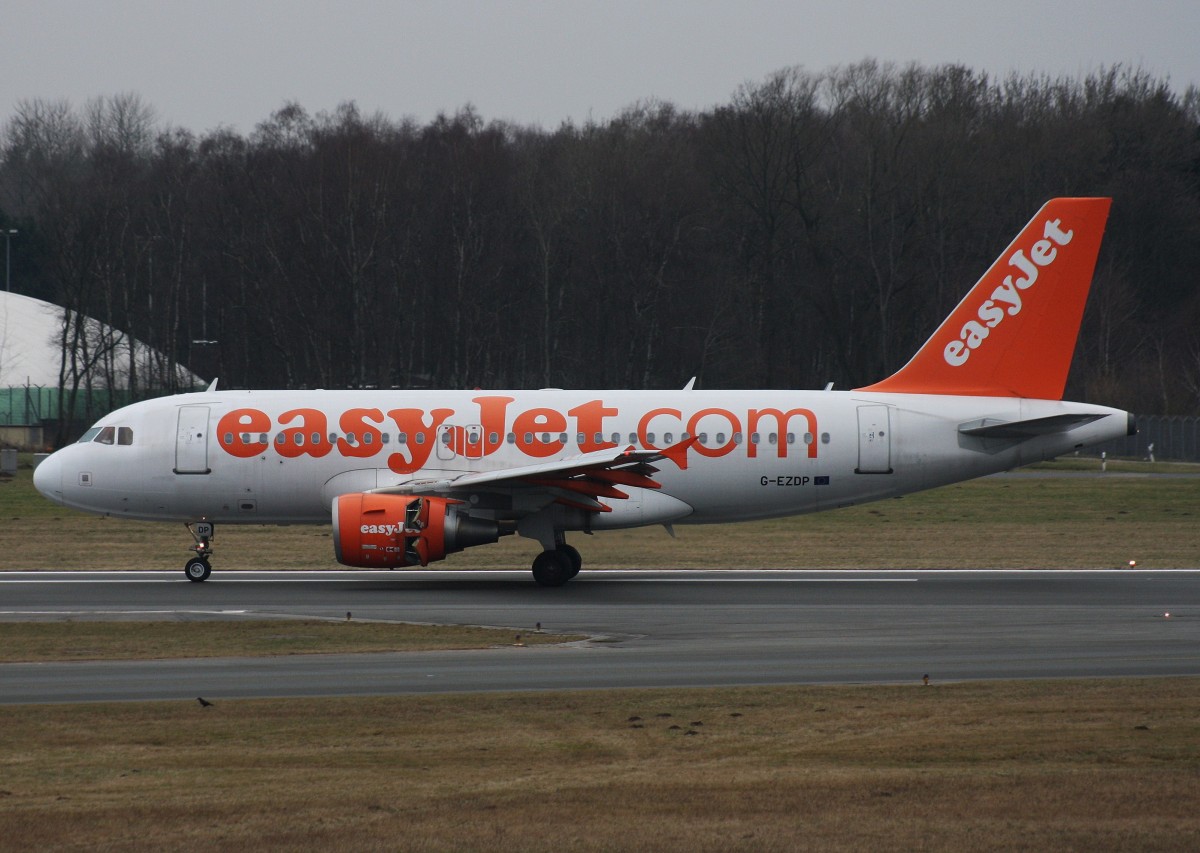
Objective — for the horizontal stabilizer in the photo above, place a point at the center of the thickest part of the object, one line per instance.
(1020, 430)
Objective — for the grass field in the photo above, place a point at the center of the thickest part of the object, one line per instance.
(997, 522)
(127, 639)
(1069, 765)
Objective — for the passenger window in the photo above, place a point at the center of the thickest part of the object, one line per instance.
(420, 438)
(446, 438)
(666, 438)
(511, 438)
(528, 438)
(616, 438)
(808, 438)
(737, 438)
(720, 438)
(316, 438)
(281, 438)
(229, 438)
(351, 438)
(772, 438)
(493, 438)
(402, 438)
(824, 438)
(106, 436)
(124, 435)
(649, 438)
(754, 438)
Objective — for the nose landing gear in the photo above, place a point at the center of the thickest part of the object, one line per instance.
(197, 568)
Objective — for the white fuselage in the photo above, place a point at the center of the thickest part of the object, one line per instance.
(282, 457)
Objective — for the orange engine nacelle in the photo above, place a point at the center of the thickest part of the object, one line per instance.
(385, 531)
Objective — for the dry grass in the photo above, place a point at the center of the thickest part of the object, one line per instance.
(73, 640)
(1076, 765)
(1066, 522)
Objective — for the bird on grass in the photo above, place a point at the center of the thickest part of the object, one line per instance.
(204, 703)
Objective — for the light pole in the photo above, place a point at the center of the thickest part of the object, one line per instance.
(8, 235)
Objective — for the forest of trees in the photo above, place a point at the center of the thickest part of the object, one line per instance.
(815, 228)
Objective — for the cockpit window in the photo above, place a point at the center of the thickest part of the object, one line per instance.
(108, 435)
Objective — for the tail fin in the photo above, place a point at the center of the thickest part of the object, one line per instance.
(1014, 333)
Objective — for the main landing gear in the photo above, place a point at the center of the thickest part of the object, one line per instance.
(556, 566)
(198, 568)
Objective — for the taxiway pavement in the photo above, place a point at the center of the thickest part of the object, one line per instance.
(647, 629)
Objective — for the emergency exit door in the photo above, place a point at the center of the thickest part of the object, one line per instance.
(455, 441)
(874, 440)
(191, 441)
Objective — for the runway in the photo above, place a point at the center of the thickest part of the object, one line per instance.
(645, 629)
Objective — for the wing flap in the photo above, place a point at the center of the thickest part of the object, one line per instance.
(579, 481)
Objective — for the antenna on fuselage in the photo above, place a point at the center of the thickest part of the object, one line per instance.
(212, 387)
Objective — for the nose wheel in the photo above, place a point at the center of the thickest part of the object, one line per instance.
(198, 568)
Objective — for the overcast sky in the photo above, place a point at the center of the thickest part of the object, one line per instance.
(234, 62)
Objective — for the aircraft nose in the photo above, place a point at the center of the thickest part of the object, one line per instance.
(47, 477)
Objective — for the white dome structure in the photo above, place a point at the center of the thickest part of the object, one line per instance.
(30, 354)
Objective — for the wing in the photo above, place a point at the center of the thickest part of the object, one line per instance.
(584, 481)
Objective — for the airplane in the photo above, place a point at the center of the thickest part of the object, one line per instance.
(409, 476)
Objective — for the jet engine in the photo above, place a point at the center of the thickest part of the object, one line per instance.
(384, 531)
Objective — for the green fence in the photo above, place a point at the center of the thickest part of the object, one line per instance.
(26, 405)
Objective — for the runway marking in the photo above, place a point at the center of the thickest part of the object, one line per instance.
(591, 572)
(675, 576)
(127, 612)
(776, 580)
(233, 580)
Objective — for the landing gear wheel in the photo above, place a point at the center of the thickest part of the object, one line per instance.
(572, 556)
(197, 569)
(552, 568)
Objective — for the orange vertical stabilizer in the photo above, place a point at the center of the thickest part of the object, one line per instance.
(1014, 333)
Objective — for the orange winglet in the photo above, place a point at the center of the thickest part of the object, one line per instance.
(677, 453)
(1014, 334)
